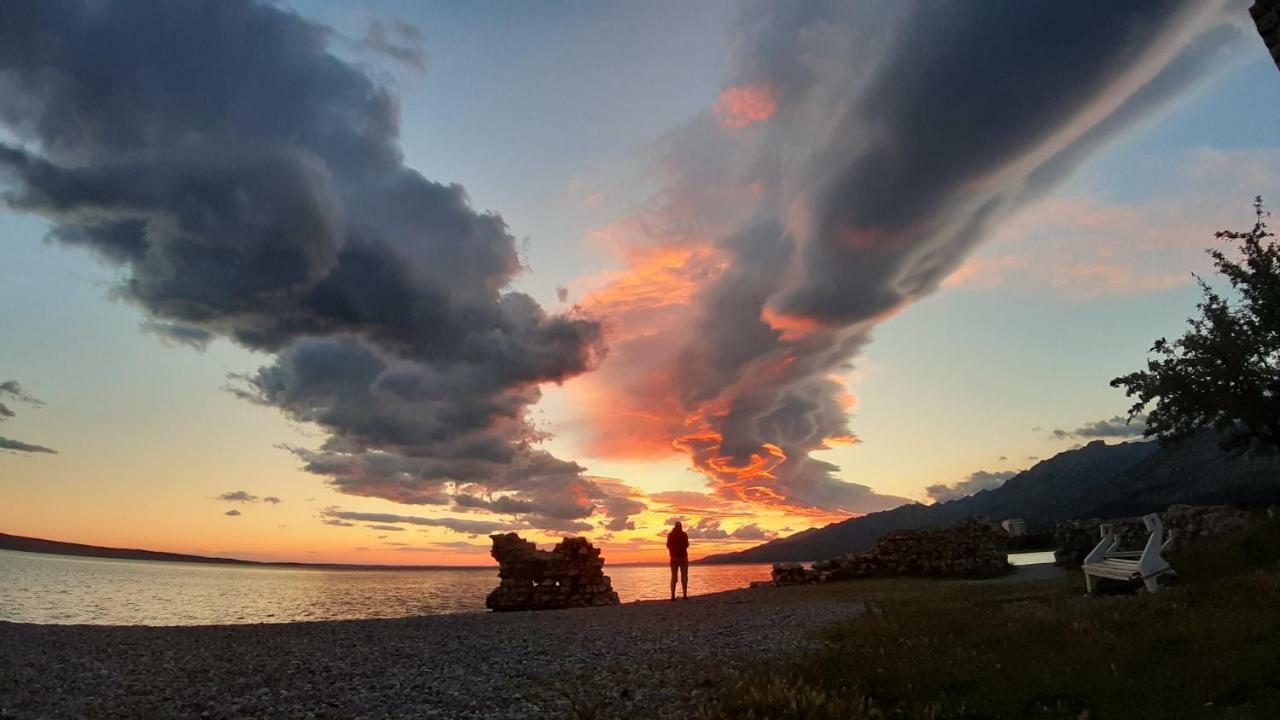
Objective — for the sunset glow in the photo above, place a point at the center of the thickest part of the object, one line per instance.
(369, 295)
(745, 105)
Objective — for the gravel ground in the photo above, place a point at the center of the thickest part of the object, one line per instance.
(649, 659)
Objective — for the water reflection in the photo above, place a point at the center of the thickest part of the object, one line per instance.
(71, 590)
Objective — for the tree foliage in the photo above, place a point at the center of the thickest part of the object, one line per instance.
(1224, 373)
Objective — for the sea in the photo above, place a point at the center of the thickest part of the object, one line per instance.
(64, 590)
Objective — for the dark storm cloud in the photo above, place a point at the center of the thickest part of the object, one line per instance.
(903, 134)
(975, 482)
(261, 196)
(19, 446)
(1116, 427)
(967, 93)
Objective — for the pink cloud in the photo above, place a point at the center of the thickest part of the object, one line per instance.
(1087, 246)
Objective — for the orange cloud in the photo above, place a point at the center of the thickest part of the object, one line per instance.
(631, 402)
(745, 105)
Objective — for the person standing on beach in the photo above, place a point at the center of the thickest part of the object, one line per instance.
(678, 548)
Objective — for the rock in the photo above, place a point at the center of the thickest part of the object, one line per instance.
(570, 575)
(1188, 523)
(974, 548)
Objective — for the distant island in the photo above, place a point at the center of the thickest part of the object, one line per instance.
(57, 547)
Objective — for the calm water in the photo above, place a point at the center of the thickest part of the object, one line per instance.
(70, 590)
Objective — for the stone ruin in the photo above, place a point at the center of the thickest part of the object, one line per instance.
(1075, 538)
(570, 575)
(974, 548)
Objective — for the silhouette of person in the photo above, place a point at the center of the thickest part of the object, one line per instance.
(678, 548)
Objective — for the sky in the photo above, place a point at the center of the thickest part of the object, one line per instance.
(326, 282)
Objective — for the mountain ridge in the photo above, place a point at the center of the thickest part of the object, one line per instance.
(1095, 480)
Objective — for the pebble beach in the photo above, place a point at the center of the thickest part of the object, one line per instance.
(644, 659)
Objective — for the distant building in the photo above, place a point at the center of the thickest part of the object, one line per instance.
(1016, 527)
(1266, 15)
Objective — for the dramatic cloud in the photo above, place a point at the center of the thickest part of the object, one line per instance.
(1116, 427)
(895, 139)
(19, 446)
(262, 197)
(975, 482)
(742, 106)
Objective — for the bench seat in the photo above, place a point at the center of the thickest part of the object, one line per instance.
(1108, 562)
(1115, 569)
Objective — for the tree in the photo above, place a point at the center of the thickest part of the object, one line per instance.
(1224, 373)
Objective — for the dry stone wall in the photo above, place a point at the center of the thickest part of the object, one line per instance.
(974, 548)
(570, 575)
(1074, 539)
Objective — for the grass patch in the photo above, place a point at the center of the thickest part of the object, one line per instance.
(1209, 648)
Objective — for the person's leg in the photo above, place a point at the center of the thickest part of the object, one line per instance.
(684, 579)
(675, 567)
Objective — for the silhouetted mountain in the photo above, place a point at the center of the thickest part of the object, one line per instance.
(57, 547)
(1097, 480)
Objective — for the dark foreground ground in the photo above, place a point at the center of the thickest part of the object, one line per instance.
(651, 659)
(1205, 648)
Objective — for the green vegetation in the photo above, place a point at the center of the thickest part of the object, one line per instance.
(1224, 373)
(1206, 648)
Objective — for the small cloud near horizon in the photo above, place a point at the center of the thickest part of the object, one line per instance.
(232, 513)
(12, 391)
(19, 446)
(976, 482)
(242, 496)
(1116, 427)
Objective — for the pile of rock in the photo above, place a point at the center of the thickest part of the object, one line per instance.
(974, 548)
(570, 575)
(791, 573)
(1187, 523)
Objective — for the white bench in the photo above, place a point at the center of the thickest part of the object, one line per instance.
(1105, 561)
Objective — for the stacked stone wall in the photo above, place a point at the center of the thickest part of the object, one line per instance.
(974, 548)
(570, 575)
(1187, 523)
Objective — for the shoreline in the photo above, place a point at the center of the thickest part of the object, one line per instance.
(713, 596)
(123, 554)
(648, 658)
